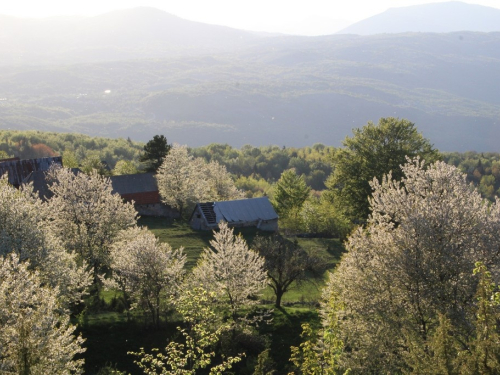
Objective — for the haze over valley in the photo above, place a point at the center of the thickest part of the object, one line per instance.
(139, 72)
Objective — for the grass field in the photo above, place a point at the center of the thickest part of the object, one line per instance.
(179, 234)
(110, 335)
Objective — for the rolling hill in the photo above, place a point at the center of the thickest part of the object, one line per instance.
(119, 35)
(443, 17)
(284, 90)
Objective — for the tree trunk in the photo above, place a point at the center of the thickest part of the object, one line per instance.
(279, 294)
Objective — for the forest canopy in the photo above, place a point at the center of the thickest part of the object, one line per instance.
(255, 169)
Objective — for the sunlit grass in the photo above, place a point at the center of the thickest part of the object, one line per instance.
(178, 233)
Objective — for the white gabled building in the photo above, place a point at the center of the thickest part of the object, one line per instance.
(252, 212)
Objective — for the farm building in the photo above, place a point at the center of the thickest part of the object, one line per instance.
(41, 185)
(253, 212)
(143, 190)
(19, 171)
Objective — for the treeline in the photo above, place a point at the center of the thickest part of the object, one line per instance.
(255, 169)
(251, 164)
(36, 144)
(482, 169)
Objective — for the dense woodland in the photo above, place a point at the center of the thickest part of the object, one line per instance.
(114, 288)
(254, 168)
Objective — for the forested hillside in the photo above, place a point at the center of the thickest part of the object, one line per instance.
(290, 91)
(255, 169)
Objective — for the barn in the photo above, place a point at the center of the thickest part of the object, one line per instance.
(143, 190)
(253, 212)
(19, 171)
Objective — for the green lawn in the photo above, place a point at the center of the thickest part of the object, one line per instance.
(179, 234)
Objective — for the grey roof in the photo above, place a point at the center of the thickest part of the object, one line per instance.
(245, 210)
(41, 185)
(134, 183)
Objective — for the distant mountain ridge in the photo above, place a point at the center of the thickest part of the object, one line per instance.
(119, 35)
(142, 72)
(443, 17)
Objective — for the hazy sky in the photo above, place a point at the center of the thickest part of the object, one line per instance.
(293, 16)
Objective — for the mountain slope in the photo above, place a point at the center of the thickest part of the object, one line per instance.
(430, 18)
(119, 35)
(291, 91)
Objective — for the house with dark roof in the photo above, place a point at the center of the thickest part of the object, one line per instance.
(41, 185)
(142, 189)
(19, 171)
(253, 212)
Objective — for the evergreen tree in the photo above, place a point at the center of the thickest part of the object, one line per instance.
(154, 153)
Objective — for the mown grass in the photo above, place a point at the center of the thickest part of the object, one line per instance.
(178, 234)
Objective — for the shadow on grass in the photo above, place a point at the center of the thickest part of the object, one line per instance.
(110, 336)
(285, 331)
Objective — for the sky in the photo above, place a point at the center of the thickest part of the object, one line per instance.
(307, 17)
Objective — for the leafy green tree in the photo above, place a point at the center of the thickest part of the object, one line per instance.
(93, 163)
(69, 159)
(484, 355)
(253, 187)
(124, 167)
(316, 355)
(154, 153)
(290, 193)
(319, 216)
(444, 352)
(372, 152)
(288, 265)
(438, 355)
(265, 364)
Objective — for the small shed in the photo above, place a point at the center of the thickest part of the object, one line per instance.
(253, 212)
(143, 190)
